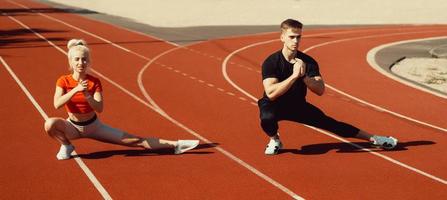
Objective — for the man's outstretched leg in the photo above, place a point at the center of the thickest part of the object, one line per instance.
(313, 116)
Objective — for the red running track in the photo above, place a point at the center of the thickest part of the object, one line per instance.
(188, 85)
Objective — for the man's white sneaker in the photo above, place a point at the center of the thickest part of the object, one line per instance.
(384, 142)
(185, 145)
(273, 147)
(65, 152)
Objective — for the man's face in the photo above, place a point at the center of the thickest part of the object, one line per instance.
(291, 38)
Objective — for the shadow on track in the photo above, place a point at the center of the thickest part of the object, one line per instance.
(18, 38)
(144, 152)
(341, 147)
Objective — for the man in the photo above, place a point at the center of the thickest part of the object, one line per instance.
(287, 74)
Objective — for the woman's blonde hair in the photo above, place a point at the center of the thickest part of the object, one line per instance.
(77, 45)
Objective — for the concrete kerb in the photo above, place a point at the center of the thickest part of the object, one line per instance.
(439, 51)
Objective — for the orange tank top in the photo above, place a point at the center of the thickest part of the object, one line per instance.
(78, 103)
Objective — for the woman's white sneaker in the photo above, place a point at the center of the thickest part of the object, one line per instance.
(185, 145)
(65, 152)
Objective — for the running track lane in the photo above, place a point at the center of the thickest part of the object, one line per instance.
(227, 153)
(55, 70)
(203, 77)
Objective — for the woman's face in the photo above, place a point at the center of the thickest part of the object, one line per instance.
(79, 61)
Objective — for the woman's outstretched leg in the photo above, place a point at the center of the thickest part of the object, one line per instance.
(108, 134)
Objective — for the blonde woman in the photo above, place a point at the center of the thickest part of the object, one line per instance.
(80, 94)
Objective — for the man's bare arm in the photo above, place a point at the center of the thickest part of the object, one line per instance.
(273, 88)
(315, 84)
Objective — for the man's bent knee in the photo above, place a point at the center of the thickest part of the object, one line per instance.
(268, 118)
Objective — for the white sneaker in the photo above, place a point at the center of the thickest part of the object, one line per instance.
(185, 145)
(384, 142)
(273, 147)
(65, 152)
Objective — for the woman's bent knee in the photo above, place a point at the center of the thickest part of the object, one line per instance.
(51, 124)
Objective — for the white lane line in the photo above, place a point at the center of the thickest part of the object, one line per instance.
(143, 69)
(378, 108)
(162, 113)
(78, 160)
(372, 62)
(225, 74)
(243, 98)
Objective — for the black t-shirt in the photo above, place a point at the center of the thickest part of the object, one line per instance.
(276, 66)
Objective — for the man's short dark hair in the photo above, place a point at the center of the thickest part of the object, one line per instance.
(291, 23)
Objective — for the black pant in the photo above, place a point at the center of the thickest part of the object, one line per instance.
(304, 113)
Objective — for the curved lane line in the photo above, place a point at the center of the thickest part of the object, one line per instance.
(220, 149)
(372, 62)
(225, 74)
